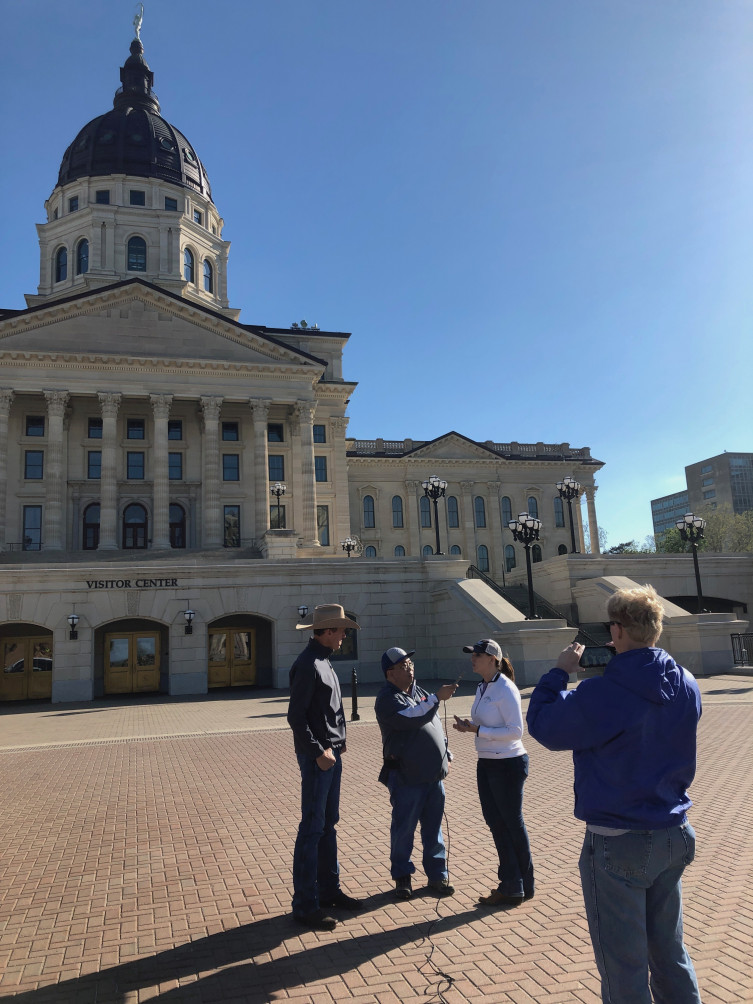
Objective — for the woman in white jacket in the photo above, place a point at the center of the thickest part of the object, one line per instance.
(497, 723)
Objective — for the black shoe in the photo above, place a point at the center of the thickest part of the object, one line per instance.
(528, 895)
(403, 888)
(442, 887)
(497, 898)
(341, 900)
(317, 920)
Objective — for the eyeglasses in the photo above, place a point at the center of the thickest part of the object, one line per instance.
(614, 623)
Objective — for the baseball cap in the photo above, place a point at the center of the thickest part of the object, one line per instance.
(487, 646)
(394, 655)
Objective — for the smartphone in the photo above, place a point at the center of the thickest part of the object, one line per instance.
(595, 655)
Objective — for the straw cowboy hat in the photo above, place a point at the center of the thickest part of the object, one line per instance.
(329, 615)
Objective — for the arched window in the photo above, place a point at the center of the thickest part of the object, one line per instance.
(368, 511)
(399, 551)
(82, 257)
(177, 525)
(91, 527)
(425, 507)
(455, 550)
(510, 561)
(397, 510)
(536, 553)
(533, 507)
(208, 276)
(506, 510)
(562, 549)
(61, 264)
(453, 520)
(369, 552)
(134, 527)
(188, 265)
(427, 550)
(137, 254)
(479, 511)
(559, 512)
(482, 559)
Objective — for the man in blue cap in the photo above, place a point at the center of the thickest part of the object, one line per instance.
(416, 760)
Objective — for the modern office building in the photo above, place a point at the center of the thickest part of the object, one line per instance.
(721, 482)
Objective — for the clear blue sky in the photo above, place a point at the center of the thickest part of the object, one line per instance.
(534, 216)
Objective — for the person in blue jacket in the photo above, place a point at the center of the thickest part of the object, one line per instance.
(633, 736)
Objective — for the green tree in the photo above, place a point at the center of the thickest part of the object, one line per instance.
(725, 532)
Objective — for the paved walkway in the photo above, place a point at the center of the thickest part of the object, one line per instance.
(145, 853)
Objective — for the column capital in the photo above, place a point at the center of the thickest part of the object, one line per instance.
(340, 424)
(260, 408)
(304, 411)
(211, 405)
(467, 486)
(412, 485)
(493, 486)
(56, 401)
(161, 404)
(109, 403)
(6, 396)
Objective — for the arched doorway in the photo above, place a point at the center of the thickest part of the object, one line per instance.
(134, 527)
(26, 652)
(91, 527)
(240, 652)
(131, 657)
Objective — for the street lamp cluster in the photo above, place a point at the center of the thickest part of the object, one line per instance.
(526, 530)
(434, 489)
(691, 529)
(278, 490)
(569, 489)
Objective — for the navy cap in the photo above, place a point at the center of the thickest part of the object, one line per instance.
(393, 656)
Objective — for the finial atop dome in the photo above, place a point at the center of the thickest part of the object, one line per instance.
(135, 76)
(137, 21)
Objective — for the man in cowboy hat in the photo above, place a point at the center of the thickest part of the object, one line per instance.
(416, 760)
(315, 715)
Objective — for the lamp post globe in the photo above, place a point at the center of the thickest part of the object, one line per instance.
(434, 488)
(278, 490)
(569, 489)
(691, 529)
(348, 545)
(526, 529)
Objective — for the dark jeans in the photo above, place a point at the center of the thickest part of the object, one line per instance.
(316, 871)
(413, 804)
(500, 791)
(633, 897)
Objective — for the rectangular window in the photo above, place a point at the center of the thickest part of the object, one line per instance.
(706, 481)
(231, 466)
(175, 466)
(706, 469)
(276, 467)
(175, 429)
(197, 216)
(32, 528)
(137, 198)
(73, 204)
(94, 465)
(275, 433)
(135, 428)
(102, 197)
(95, 428)
(171, 205)
(322, 524)
(34, 425)
(320, 434)
(230, 432)
(232, 522)
(34, 465)
(710, 494)
(135, 466)
(277, 517)
(320, 468)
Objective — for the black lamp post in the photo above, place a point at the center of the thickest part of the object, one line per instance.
(526, 529)
(434, 489)
(348, 545)
(569, 489)
(278, 490)
(691, 529)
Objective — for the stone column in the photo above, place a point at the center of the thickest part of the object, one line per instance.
(210, 477)
(496, 537)
(593, 526)
(468, 521)
(578, 516)
(295, 498)
(305, 413)
(160, 471)
(413, 515)
(108, 488)
(53, 529)
(6, 397)
(340, 523)
(261, 468)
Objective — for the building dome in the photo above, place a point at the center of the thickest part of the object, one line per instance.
(133, 138)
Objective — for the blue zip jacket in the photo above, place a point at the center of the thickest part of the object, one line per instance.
(633, 736)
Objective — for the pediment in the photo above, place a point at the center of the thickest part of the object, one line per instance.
(453, 446)
(134, 322)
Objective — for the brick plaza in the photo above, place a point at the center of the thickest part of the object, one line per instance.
(146, 847)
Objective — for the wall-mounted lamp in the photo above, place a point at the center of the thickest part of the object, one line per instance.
(302, 611)
(189, 615)
(73, 621)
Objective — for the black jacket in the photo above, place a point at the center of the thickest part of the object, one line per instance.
(315, 712)
(413, 739)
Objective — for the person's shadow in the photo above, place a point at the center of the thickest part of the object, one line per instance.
(259, 976)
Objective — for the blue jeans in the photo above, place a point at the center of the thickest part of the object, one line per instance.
(633, 896)
(413, 804)
(316, 871)
(500, 791)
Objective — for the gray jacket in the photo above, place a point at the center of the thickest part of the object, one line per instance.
(413, 739)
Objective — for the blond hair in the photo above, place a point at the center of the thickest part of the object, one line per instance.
(639, 611)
